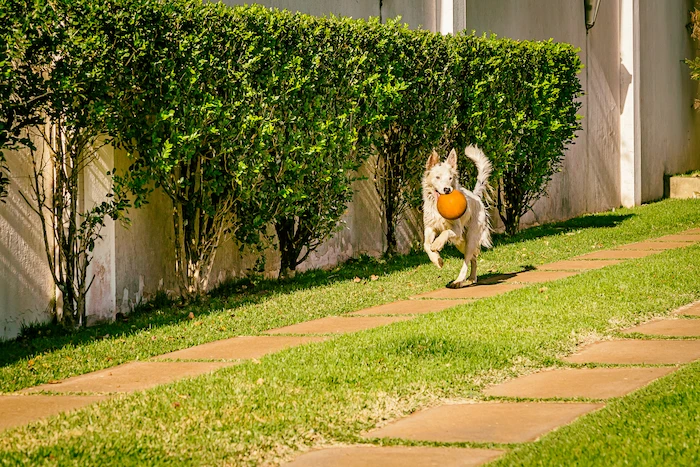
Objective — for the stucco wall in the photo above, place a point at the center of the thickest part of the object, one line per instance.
(26, 287)
(593, 157)
(669, 126)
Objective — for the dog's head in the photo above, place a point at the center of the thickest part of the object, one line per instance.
(441, 177)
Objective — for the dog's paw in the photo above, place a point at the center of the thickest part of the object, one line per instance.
(460, 284)
(437, 245)
(440, 262)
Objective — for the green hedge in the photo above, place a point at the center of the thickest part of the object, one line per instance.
(518, 102)
(248, 117)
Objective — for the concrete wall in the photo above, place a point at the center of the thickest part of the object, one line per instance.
(670, 140)
(594, 156)
(26, 287)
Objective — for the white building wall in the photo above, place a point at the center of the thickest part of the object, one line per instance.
(670, 135)
(26, 286)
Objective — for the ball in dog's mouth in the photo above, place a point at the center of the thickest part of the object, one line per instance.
(451, 206)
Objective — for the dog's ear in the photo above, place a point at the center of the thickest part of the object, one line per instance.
(433, 160)
(452, 159)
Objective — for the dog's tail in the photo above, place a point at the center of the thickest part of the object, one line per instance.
(483, 167)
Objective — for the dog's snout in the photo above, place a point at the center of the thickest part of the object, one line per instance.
(447, 190)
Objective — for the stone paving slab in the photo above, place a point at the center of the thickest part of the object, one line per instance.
(650, 245)
(239, 348)
(638, 352)
(593, 383)
(472, 292)
(18, 410)
(690, 310)
(569, 265)
(133, 376)
(409, 307)
(396, 456)
(488, 422)
(684, 237)
(617, 254)
(338, 325)
(668, 327)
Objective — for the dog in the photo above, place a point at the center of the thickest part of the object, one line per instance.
(469, 232)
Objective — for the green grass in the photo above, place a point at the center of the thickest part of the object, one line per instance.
(247, 308)
(658, 425)
(330, 392)
(692, 173)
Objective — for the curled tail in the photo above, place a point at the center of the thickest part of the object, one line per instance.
(483, 167)
(481, 189)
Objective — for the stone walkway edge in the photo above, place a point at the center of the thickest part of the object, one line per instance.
(492, 422)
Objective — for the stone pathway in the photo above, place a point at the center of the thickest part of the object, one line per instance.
(505, 419)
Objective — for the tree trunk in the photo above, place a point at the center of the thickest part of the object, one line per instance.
(289, 248)
(195, 251)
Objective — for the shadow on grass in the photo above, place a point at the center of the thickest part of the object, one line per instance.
(38, 339)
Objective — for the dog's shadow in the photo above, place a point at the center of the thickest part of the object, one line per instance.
(495, 279)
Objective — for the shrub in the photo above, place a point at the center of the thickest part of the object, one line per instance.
(73, 105)
(419, 104)
(694, 64)
(518, 101)
(22, 51)
(311, 95)
(189, 113)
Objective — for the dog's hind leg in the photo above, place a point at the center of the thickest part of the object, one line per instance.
(429, 238)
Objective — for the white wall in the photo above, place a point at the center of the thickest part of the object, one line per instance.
(26, 287)
(670, 140)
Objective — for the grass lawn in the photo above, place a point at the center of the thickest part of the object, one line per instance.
(330, 392)
(658, 425)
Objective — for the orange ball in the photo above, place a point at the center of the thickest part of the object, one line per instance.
(452, 206)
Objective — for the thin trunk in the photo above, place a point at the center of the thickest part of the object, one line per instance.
(195, 250)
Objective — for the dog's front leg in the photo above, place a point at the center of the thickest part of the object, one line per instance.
(439, 243)
(460, 282)
(429, 238)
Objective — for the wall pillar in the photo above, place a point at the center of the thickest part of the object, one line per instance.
(452, 15)
(630, 122)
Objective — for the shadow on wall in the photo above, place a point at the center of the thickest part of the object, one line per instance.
(26, 286)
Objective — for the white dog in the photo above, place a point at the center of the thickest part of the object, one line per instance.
(472, 229)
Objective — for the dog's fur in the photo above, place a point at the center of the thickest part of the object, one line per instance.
(469, 232)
